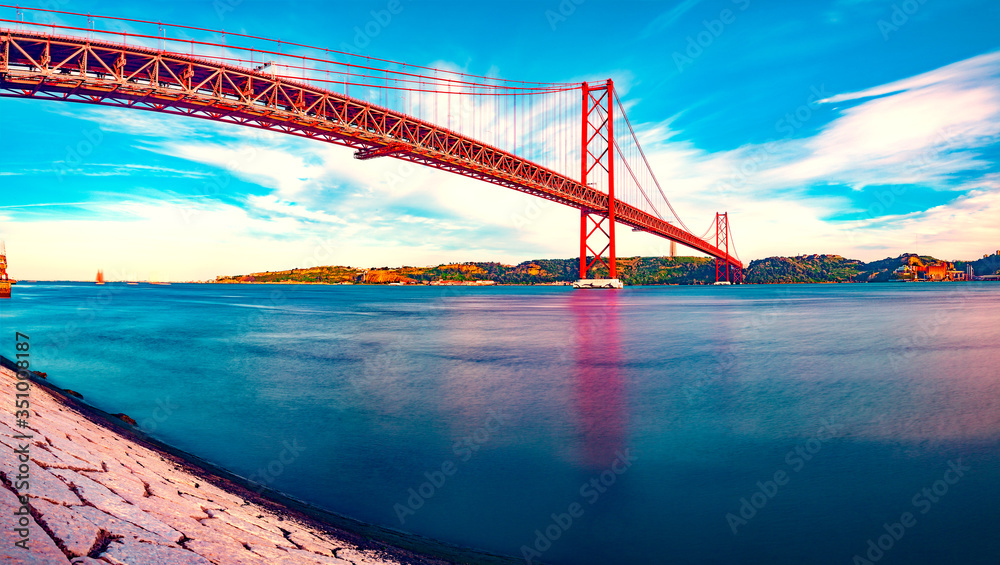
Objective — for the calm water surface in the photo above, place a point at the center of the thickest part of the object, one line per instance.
(640, 426)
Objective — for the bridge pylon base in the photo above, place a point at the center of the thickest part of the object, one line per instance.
(598, 283)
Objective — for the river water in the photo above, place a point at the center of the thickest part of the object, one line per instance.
(746, 424)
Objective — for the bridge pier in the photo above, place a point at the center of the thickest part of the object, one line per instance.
(726, 271)
(598, 157)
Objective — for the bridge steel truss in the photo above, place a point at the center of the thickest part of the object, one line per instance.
(597, 158)
(77, 69)
(724, 270)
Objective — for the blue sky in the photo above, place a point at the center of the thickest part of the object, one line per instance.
(862, 128)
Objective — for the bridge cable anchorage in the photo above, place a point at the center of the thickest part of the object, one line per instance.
(520, 135)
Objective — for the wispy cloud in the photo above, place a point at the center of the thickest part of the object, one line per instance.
(969, 73)
(930, 129)
(272, 204)
(923, 129)
(667, 18)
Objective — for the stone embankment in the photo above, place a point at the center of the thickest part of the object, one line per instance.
(98, 496)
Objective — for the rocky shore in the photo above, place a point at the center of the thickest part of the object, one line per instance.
(96, 492)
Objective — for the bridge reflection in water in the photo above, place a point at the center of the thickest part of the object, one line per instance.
(601, 399)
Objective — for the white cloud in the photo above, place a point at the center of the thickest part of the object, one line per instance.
(945, 115)
(928, 130)
(271, 203)
(969, 72)
(288, 172)
(325, 207)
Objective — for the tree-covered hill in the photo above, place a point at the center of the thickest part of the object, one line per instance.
(631, 270)
(804, 269)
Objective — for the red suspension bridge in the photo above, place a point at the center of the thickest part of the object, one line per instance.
(570, 143)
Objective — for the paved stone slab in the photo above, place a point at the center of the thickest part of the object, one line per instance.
(309, 542)
(277, 538)
(159, 487)
(92, 492)
(272, 554)
(310, 557)
(119, 481)
(41, 455)
(66, 445)
(41, 549)
(263, 519)
(77, 535)
(242, 536)
(231, 553)
(186, 484)
(172, 514)
(43, 484)
(102, 498)
(131, 552)
(119, 527)
(368, 557)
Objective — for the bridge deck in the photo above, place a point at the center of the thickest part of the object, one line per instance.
(73, 69)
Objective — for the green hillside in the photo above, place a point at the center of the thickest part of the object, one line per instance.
(804, 269)
(631, 270)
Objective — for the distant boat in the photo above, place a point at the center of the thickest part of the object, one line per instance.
(100, 276)
(721, 283)
(5, 281)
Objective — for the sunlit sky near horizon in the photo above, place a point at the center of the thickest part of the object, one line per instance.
(863, 128)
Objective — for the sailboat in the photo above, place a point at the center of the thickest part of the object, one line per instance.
(5, 281)
(100, 276)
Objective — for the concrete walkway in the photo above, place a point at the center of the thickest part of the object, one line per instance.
(96, 497)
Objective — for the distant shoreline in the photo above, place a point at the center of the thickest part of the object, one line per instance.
(560, 283)
(632, 271)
